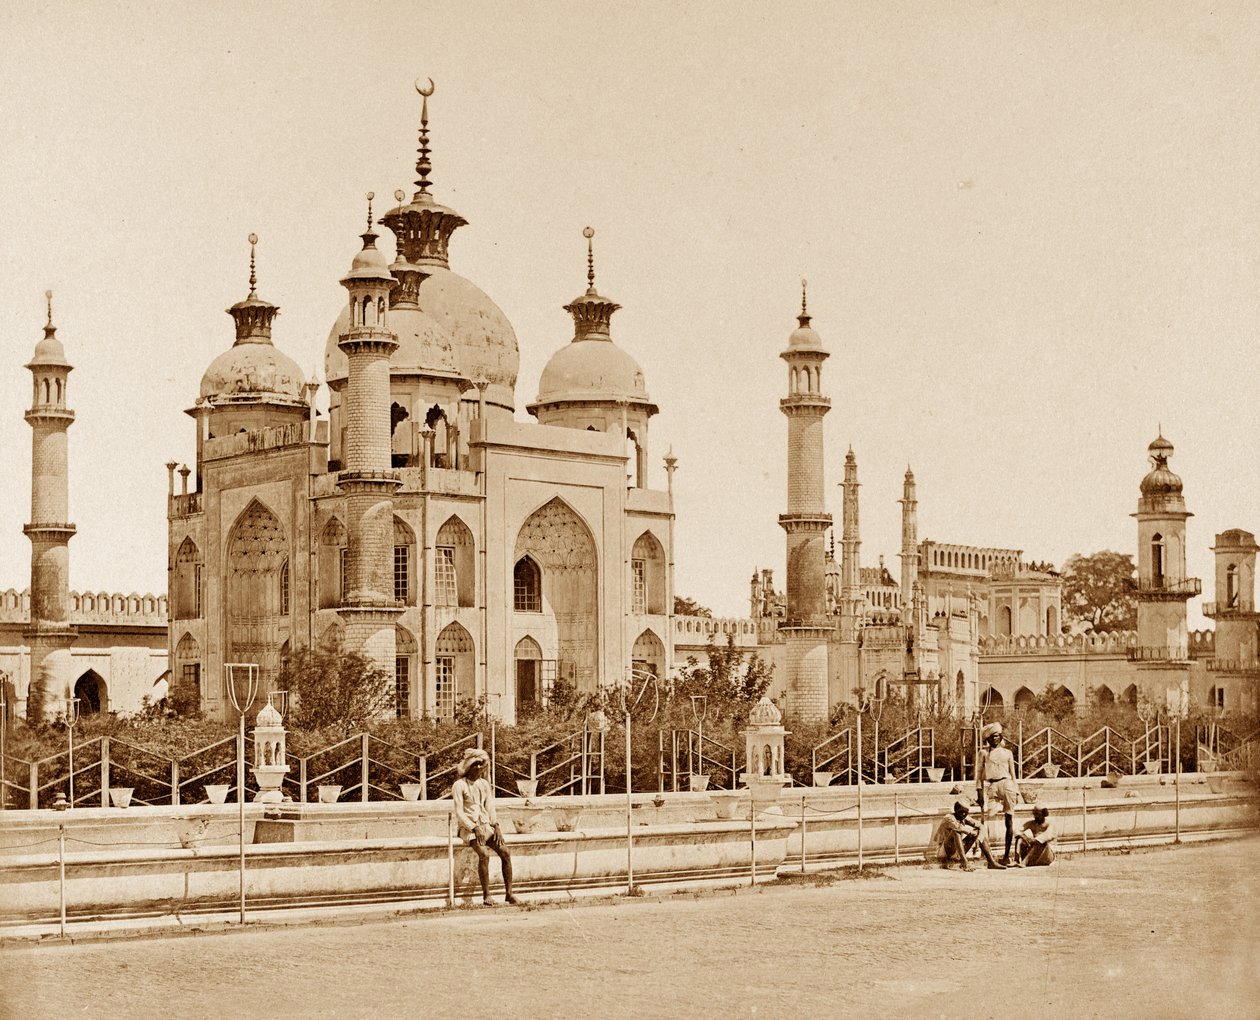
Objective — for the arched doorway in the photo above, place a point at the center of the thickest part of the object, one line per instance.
(649, 654)
(92, 694)
(455, 670)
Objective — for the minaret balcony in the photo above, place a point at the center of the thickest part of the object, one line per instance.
(804, 404)
(49, 414)
(1220, 611)
(1164, 589)
(49, 529)
(792, 523)
(365, 481)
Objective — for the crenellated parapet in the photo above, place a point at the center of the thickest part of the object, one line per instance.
(100, 608)
(1104, 643)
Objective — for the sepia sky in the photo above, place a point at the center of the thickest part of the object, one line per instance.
(1031, 233)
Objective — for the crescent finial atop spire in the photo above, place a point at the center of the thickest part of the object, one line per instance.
(253, 278)
(589, 233)
(48, 298)
(370, 195)
(424, 165)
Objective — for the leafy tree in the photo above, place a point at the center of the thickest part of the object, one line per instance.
(684, 606)
(733, 680)
(1098, 591)
(331, 688)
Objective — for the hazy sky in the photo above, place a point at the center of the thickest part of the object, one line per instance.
(1031, 231)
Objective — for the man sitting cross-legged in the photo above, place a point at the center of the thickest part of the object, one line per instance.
(954, 837)
(1034, 845)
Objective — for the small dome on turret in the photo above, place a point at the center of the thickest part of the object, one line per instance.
(369, 262)
(804, 337)
(253, 368)
(1160, 481)
(49, 352)
(591, 368)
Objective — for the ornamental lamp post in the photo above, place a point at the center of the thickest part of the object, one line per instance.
(242, 689)
(71, 719)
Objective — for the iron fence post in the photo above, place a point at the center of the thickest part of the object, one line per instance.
(364, 760)
(301, 780)
(175, 782)
(33, 779)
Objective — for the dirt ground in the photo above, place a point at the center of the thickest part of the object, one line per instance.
(1155, 934)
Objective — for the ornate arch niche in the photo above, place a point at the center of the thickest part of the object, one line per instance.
(649, 654)
(561, 545)
(455, 670)
(647, 575)
(186, 582)
(257, 549)
(187, 669)
(454, 574)
(332, 559)
(404, 568)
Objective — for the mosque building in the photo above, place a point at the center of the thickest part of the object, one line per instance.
(469, 554)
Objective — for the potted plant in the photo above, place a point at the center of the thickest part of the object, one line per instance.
(217, 793)
(411, 791)
(936, 774)
(527, 788)
(1152, 766)
(329, 792)
(823, 778)
(120, 796)
(698, 782)
(1051, 769)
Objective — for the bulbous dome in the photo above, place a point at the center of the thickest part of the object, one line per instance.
(369, 263)
(49, 351)
(1160, 481)
(804, 337)
(591, 369)
(252, 370)
(457, 331)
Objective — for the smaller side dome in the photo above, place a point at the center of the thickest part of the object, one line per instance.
(805, 337)
(252, 370)
(269, 717)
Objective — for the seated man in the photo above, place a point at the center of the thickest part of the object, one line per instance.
(1034, 845)
(955, 835)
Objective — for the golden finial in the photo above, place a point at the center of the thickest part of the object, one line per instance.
(588, 233)
(804, 287)
(253, 279)
(48, 298)
(399, 195)
(370, 195)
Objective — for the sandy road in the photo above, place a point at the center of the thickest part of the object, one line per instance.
(1166, 933)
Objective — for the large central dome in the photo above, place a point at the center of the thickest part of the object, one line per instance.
(456, 331)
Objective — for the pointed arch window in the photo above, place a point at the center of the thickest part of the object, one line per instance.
(1157, 560)
(1231, 586)
(284, 588)
(527, 586)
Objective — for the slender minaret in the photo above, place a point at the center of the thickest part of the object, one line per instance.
(49, 633)
(368, 479)
(850, 556)
(1163, 587)
(909, 547)
(806, 627)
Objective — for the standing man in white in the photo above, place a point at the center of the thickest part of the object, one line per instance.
(995, 777)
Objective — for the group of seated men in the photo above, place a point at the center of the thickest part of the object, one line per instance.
(957, 834)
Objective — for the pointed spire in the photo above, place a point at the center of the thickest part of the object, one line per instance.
(253, 276)
(804, 317)
(424, 165)
(369, 236)
(423, 228)
(589, 234)
(253, 315)
(49, 329)
(592, 314)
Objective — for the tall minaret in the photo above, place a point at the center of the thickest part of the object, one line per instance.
(49, 633)
(1163, 587)
(368, 479)
(909, 547)
(806, 626)
(850, 563)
